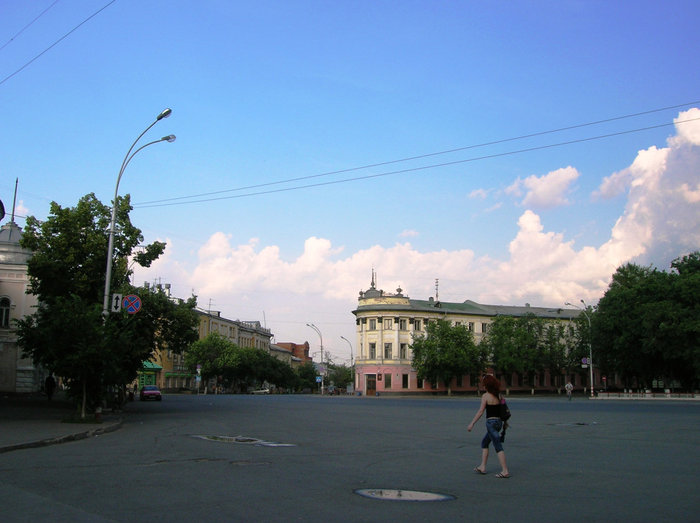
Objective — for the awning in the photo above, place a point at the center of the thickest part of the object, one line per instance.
(149, 365)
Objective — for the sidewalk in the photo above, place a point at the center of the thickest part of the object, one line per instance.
(30, 420)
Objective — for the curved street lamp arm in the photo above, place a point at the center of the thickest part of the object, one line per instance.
(110, 246)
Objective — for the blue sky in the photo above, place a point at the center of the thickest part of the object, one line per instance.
(269, 92)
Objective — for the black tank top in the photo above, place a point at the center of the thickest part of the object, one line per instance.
(493, 411)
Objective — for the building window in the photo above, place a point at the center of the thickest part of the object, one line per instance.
(404, 381)
(387, 380)
(373, 351)
(372, 324)
(387, 351)
(484, 327)
(419, 383)
(416, 325)
(4, 313)
(471, 326)
(403, 325)
(403, 351)
(388, 323)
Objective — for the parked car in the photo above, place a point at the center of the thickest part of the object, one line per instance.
(261, 391)
(150, 392)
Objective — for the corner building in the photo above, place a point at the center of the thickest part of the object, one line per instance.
(386, 324)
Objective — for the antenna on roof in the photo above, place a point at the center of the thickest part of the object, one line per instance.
(437, 280)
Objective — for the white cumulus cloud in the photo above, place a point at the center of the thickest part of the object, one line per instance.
(547, 191)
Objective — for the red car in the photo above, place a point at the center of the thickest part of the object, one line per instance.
(150, 392)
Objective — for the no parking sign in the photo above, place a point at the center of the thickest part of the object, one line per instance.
(131, 303)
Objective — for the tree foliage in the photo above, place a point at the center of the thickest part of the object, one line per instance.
(528, 345)
(307, 376)
(238, 368)
(68, 334)
(446, 352)
(647, 325)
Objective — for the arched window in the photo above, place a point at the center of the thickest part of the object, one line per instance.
(4, 312)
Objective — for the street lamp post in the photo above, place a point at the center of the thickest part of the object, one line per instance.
(590, 341)
(352, 363)
(321, 337)
(110, 246)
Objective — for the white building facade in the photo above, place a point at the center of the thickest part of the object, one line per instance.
(17, 374)
(387, 323)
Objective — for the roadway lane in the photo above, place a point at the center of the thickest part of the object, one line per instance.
(581, 461)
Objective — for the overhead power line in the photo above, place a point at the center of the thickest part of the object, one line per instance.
(190, 199)
(421, 156)
(27, 26)
(56, 42)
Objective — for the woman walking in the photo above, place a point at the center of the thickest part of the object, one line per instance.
(491, 402)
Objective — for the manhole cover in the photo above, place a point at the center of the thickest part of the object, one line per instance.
(402, 495)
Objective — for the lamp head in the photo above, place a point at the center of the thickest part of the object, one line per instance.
(169, 138)
(164, 114)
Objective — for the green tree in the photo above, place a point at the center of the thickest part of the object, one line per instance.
(646, 325)
(238, 367)
(340, 375)
(555, 348)
(210, 354)
(682, 330)
(617, 325)
(67, 334)
(515, 345)
(445, 352)
(307, 376)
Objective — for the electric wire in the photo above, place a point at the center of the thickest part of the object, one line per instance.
(166, 203)
(27, 26)
(56, 42)
(421, 156)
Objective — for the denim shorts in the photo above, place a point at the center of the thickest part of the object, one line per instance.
(493, 427)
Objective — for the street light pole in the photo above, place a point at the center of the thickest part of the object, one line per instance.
(110, 246)
(590, 341)
(321, 337)
(352, 363)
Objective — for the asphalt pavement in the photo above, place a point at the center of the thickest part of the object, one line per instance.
(31, 420)
(310, 458)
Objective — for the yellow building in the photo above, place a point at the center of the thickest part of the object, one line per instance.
(167, 369)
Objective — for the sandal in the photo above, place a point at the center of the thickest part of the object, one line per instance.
(479, 471)
(502, 475)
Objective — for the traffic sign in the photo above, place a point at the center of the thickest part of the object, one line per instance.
(131, 303)
(116, 302)
(318, 379)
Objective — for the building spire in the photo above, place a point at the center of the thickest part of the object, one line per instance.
(374, 283)
(14, 201)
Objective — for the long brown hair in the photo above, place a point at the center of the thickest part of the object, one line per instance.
(492, 385)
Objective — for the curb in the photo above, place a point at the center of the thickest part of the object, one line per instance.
(64, 439)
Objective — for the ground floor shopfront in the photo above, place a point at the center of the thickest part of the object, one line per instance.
(378, 379)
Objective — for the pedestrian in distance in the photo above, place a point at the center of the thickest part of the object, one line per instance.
(569, 388)
(49, 386)
(491, 404)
